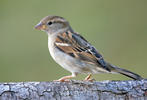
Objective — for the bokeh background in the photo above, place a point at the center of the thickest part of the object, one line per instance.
(117, 28)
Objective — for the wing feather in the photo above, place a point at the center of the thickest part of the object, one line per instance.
(79, 48)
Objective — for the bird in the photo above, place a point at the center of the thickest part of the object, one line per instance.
(74, 53)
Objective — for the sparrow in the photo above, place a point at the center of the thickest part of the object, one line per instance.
(73, 52)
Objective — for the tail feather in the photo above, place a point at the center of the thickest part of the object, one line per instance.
(125, 72)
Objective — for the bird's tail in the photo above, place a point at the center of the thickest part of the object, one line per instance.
(124, 72)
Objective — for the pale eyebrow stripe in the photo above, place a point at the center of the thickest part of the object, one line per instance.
(62, 44)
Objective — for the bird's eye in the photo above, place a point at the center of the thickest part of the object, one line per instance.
(50, 23)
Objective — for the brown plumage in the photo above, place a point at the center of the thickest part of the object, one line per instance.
(73, 52)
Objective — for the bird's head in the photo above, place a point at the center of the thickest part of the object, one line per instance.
(53, 24)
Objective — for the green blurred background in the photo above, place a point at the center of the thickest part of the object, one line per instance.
(117, 28)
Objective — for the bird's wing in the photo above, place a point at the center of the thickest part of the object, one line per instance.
(76, 46)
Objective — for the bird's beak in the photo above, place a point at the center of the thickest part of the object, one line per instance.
(40, 26)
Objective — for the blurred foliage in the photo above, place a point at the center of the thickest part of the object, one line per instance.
(117, 28)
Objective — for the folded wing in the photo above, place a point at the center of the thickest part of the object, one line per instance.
(76, 46)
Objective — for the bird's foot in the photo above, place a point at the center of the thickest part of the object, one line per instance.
(64, 79)
(90, 80)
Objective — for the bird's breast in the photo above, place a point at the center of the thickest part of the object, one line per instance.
(57, 54)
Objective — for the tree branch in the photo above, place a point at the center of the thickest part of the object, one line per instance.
(75, 90)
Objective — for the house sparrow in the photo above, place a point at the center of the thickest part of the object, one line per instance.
(74, 53)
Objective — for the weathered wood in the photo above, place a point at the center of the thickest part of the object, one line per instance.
(75, 90)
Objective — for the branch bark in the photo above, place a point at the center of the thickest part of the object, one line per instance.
(75, 90)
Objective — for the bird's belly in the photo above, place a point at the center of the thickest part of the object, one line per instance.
(71, 64)
(65, 60)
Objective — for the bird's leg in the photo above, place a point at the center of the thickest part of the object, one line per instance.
(66, 78)
(88, 77)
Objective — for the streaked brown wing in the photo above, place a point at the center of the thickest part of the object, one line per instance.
(76, 46)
